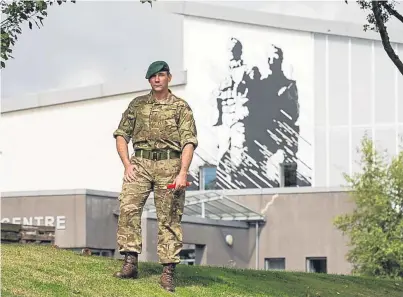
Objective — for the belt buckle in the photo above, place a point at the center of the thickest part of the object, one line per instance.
(154, 155)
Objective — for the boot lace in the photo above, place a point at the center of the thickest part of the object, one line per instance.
(168, 274)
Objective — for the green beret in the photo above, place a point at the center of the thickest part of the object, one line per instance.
(156, 67)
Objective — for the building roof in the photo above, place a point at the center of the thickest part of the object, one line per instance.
(213, 205)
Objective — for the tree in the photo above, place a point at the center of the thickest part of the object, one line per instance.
(18, 12)
(380, 12)
(375, 227)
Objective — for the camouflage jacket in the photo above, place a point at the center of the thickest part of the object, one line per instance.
(153, 124)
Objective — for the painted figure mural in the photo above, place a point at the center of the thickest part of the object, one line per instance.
(260, 116)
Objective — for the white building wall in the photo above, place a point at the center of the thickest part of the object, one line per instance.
(345, 87)
(65, 146)
(358, 90)
(208, 45)
(91, 50)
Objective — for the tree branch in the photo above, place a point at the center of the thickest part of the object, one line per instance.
(4, 22)
(376, 8)
(392, 11)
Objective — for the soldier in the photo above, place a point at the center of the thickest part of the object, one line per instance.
(163, 131)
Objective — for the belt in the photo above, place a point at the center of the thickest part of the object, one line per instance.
(157, 154)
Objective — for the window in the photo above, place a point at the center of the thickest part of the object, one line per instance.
(316, 264)
(288, 174)
(187, 254)
(95, 252)
(274, 264)
(208, 177)
(106, 253)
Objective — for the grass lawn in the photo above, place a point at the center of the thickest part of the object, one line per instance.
(33, 270)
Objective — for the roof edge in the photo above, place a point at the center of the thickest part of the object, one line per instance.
(276, 20)
(84, 93)
(111, 194)
(204, 221)
(62, 192)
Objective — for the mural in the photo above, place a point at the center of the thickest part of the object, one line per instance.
(255, 121)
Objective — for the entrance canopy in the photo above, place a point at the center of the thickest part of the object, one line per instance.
(214, 206)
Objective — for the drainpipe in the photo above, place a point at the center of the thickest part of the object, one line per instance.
(257, 245)
(203, 209)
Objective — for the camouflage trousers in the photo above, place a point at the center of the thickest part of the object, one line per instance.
(152, 175)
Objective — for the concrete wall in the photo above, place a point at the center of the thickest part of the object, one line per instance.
(209, 235)
(82, 218)
(100, 222)
(66, 212)
(300, 225)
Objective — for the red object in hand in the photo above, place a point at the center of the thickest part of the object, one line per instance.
(172, 186)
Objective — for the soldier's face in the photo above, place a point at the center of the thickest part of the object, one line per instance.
(159, 82)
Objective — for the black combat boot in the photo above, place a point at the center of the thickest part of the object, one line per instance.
(167, 277)
(130, 267)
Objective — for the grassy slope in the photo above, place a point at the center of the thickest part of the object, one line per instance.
(45, 271)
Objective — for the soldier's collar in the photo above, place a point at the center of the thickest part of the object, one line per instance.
(168, 100)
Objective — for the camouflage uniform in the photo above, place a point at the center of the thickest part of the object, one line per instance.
(159, 130)
(164, 126)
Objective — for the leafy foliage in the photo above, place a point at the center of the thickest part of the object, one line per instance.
(385, 16)
(148, 1)
(18, 12)
(379, 13)
(375, 228)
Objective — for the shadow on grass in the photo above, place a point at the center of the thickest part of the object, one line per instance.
(56, 272)
(184, 275)
(259, 282)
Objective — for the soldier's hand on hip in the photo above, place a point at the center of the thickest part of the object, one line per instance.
(129, 173)
(180, 182)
